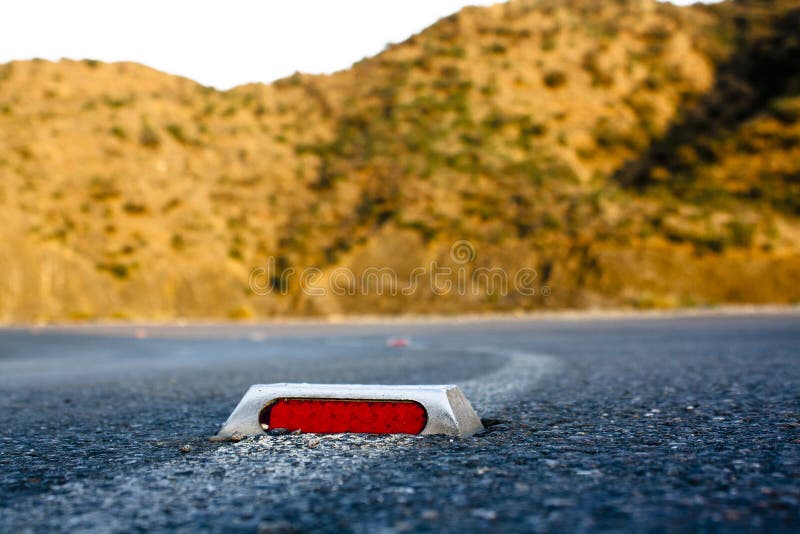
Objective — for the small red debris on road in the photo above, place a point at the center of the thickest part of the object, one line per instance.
(398, 342)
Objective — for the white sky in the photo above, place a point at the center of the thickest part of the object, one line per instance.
(222, 43)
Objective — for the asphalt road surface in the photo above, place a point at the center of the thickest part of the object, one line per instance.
(628, 424)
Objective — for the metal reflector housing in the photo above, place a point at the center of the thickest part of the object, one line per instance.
(334, 408)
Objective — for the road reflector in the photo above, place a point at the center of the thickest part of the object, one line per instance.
(343, 408)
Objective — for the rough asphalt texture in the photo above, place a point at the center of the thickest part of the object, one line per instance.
(624, 424)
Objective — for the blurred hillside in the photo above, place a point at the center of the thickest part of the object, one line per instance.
(634, 153)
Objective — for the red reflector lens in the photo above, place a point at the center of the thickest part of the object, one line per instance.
(333, 416)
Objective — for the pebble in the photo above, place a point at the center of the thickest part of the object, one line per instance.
(429, 515)
(483, 513)
(557, 502)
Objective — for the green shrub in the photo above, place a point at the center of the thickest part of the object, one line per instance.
(176, 132)
(133, 208)
(555, 79)
(101, 189)
(116, 103)
(425, 231)
(530, 130)
(591, 64)
(656, 32)
(117, 270)
(786, 110)
(653, 82)
(713, 244)
(119, 132)
(177, 242)
(549, 40)
(148, 137)
(495, 48)
(741, 233)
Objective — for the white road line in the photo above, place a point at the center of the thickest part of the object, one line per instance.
(491, 392)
